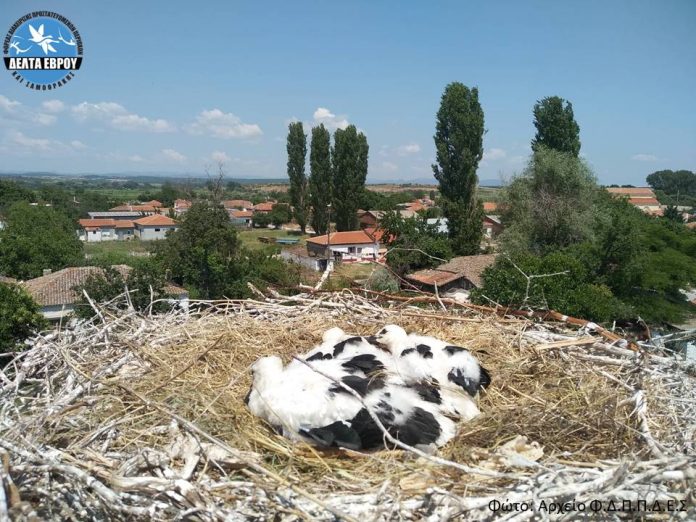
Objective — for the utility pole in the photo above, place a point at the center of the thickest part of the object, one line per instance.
(328, 241)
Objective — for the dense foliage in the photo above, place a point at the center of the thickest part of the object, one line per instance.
(349, 162)
(674, 187)
(297, 154)
(36, 238)
(320, 178)
(459, 145)
(19, 316)
(556, 127)
(145, 285)
(413, 244)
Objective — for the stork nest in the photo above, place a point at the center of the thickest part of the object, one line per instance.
(130, 416)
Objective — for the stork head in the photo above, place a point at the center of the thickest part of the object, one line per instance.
(332, 335)
(266, 369)
(391, 337)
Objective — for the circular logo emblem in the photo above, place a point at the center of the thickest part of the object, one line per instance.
(42, 50)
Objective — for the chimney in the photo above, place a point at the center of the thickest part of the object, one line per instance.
(47, 271)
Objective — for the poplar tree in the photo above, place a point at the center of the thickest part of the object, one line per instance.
(459, 148)
(299, 187)
(556, 126)
(320, 178)
(349, 160)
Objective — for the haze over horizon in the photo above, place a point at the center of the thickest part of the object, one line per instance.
(175, 87)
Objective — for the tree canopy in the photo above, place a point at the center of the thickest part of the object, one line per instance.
(556, 127)
(19, 316)
(459, 148)
(36, 238)
(297, 154)
(320, 179)
(349, 159)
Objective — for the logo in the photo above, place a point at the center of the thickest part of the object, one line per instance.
(42, 50)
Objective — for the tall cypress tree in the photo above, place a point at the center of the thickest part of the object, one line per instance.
(349, 158)
(459, 145)
(297, 153)
(556, 126)
(320, 178)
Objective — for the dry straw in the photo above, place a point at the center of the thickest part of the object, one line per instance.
(135, 416)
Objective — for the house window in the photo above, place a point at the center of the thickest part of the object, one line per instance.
(157, 230)
(351, 250)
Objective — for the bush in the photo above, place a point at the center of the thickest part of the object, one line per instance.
(19, 316)
(382, 280)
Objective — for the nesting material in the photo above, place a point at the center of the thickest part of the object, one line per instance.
(143, 417)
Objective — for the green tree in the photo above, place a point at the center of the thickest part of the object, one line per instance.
(280, 214)
(297, 154)
(412, 243)
(673, 183)
(673, 214)
(349, 158)
(459, 148)
(550, 205)
(19, 316)
(200, 254)
(556, 127)
(36, 238)
(320, 178)
(145, 285)
(12, 192)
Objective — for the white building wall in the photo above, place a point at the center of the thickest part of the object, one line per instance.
(149, 233)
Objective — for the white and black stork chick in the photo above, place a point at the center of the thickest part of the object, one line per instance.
(421, 358)
(302, 404)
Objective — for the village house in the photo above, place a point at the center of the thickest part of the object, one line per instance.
(460, 273)
(123, 215)
(181, 206)
(264, 208)
(57, 297)
(641, 197)
(239, 204)
(346, 247)
(372, 218)
(96, 230)
(241, 218)
(153, 227)
(144, 210)
(492, 225)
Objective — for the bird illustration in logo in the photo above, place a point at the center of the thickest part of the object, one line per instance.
(43, 41)
(15, 45)
(71, 43)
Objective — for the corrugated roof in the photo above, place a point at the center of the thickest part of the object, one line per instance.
(57, 288)
(155, 220)
(354, 237)
(124, 213)
(469, 267)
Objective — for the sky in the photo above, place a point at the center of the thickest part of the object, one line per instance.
(178, 86)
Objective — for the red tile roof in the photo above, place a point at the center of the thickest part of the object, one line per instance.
(490, 206)
(58, 288)
(153, 203)
(691, 225)
(641, 192)
(264, 207)
(354, 237)
(644, 202)
(237, 203)
(182, 203)
(155, 220)
(469, 267)
(241, 213)
(135, 208)
(92, 224)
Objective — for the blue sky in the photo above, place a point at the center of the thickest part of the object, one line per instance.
(175, 86)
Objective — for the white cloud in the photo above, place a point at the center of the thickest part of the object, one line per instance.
(223, 125)
(220, 157)
(409, 148)
(388, 166)
(173, 155)
(493, 154)
(23, 144)
(53, 106)
(644, 157)
(136, 158)
(329, 119)
(8, 105)
(44, 119)
(116, 116)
